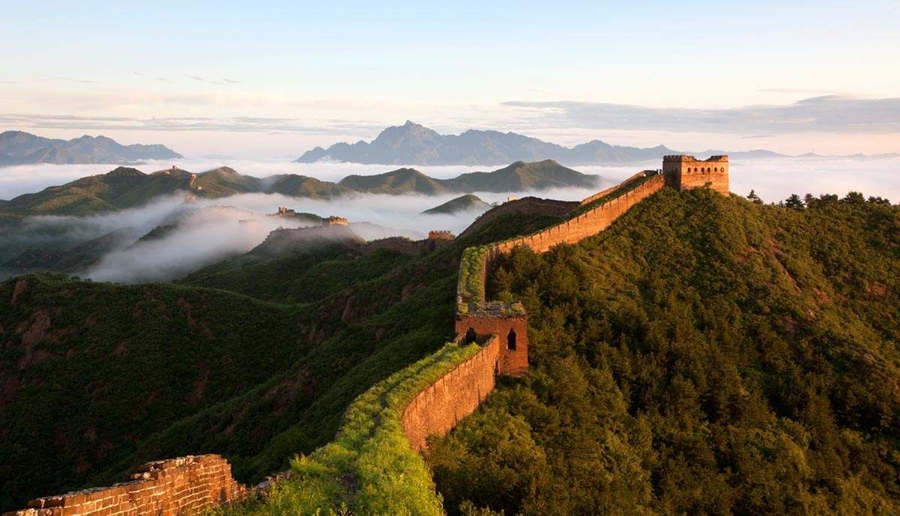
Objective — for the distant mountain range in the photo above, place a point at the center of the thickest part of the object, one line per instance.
(21, 148)
(127, 187)
(412, 143)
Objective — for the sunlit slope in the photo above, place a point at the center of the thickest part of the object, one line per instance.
(703, 355)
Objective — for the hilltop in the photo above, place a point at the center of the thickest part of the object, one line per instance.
(21, 148)
(468, 202)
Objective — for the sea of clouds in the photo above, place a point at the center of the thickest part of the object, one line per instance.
(210, 230)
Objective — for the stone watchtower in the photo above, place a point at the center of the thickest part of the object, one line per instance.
(686, 172)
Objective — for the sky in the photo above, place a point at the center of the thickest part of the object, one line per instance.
(270, 80)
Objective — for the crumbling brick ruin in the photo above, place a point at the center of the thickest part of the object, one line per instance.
(334, 221)
(191, 484)
(186, 485)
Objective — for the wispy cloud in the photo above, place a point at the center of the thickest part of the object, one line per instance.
(228, 124)
(798, 91)
(72, 79)
(827, 113)
(207, 80)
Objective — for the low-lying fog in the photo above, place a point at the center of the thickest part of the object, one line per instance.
(210, 230)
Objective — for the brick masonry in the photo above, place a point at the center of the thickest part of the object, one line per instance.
(185, 485)
(439, 407)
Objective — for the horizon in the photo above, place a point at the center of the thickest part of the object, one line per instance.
(288, 78)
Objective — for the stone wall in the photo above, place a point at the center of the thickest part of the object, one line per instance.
(185, 485)
(439, 407)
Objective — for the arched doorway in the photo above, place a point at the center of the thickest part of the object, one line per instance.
(511, 340)
(470, 336)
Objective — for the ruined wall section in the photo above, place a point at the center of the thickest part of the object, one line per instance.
(436, 409)
(185, 485)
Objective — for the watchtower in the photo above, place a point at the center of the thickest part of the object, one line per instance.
(506, 320)
(686, 172)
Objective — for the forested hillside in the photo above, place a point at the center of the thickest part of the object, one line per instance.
(98, 378)
(703, 355)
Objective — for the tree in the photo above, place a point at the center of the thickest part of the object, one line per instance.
(854, 198)
(794, 202)
(753, 197)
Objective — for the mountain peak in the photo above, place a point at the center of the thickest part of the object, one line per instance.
(413, 143)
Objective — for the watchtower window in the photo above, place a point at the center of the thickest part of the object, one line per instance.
(511, 340)
(470, 336)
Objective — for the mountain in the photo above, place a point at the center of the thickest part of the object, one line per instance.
(518, 176)
(412, 143)
(468, 202)
(127, 187)
(521, 176)
(121, 188)
(20, 148)
(400, 181)
(304, 186)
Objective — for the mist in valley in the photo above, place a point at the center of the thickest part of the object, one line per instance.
(202, 232)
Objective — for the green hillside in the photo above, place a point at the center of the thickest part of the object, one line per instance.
(403, 180)
(703, 355)
(304, 186)
(104, 377)
(519, 176)
(122, 188)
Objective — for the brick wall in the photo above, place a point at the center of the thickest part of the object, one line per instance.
(511, 331)
(587, 224)
(440, 406)
(184, 485)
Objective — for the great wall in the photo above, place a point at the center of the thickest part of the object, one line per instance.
(427, 398)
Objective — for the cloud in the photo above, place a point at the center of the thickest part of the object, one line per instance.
(239, 124)
(72, 79)
(827, 113)
(212, 81)
(794, 91)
